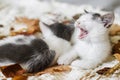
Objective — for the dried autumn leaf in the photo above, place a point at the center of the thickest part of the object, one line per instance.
(2, 36)
(115, 29)
(113, 69)
(116, 51)
(12, 70)
(32, 26)
(21, 77)
(117, 56)
(109, 71)
(116, 48)
(55, 69)
(103, 71)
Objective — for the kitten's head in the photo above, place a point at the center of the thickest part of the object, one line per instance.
(89, 22)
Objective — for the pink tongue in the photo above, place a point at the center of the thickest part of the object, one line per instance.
(83, 34)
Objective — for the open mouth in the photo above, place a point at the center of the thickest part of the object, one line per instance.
(83, 33)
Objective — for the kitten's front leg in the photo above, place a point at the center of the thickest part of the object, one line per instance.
(67, 58)
(85, 64)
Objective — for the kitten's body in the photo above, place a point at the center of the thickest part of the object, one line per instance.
(90, 40)
(57, 36)
(90, 46)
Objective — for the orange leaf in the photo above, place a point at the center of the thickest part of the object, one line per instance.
(12, 70)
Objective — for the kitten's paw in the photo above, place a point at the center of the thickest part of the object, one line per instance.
(64, 60)
(83, 64)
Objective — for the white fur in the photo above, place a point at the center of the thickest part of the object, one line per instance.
(6, 63)
(58, 44)
(90, 50)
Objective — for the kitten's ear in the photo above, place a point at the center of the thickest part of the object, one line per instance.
(86, 11)
(108, 19)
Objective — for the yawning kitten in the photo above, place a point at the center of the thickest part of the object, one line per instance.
(91, 45)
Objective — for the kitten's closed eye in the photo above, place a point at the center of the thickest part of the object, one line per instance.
(96, 16)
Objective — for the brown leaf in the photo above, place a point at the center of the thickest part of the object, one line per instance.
(116, 48)
(116, 51)
(103, 71)
(2, 36)
(115, 29)
(32, 26)
(117, 56)
(21, 77)
(55, 69)
(12, 70)
(113, 69)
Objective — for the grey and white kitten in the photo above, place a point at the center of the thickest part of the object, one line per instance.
(90, 39)
(31, 53)
(90, 46)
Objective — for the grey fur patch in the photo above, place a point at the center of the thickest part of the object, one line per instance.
(40, 62)
(61, 30)
(36, 54)
(20, 40)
